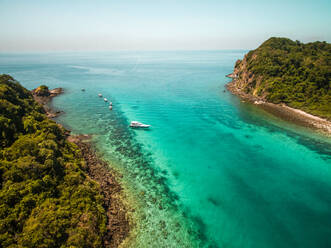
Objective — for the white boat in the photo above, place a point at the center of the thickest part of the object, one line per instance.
(105, 99)
(110, 104)
(100, 95)
(137, 124)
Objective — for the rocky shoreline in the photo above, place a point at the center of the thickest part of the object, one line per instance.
(45, 98)
(281, 110)
(118, 225)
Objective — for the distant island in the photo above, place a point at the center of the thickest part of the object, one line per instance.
(287, 73)
(54, 191)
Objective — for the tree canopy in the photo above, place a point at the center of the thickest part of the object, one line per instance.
(46, 197)
(291, 72)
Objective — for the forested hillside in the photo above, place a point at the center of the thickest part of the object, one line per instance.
(46, 197)
(290, 72)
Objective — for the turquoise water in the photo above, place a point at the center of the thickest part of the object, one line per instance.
(212, 171)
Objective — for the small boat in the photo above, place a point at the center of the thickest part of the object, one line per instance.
(111, 107)
(137, 124)
(105, 99)
(100, 95)
(83, 89)
(110, 104)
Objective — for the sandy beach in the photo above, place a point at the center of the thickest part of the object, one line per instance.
(284, 112)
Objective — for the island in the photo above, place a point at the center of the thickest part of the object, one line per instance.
(55, 191)
(288, 78)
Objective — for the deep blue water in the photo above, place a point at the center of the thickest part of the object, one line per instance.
(212, 171)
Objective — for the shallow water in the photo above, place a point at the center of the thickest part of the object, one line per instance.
(212, 171)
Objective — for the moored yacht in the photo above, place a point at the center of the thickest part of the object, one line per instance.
(137, 124)
(105, 99)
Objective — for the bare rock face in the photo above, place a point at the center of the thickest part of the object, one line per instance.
(244, 80)
(244, 77)
(55, 92)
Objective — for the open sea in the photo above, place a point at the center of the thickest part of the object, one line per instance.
(212, 171)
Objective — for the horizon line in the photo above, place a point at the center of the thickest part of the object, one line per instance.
(129, 50)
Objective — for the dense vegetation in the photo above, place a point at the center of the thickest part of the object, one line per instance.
(46, 197)
(290, 72)
(42, 90)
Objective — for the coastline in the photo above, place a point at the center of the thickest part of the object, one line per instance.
(118, 224)
(282, 111)
(44, 100)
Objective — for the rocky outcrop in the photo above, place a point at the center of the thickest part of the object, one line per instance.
(245, 80)
(42, 90)
(43, 96)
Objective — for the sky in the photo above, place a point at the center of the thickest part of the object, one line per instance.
(98, 25)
